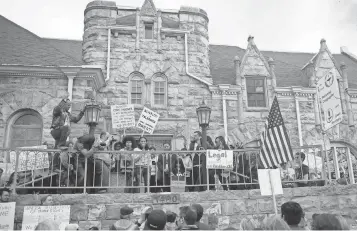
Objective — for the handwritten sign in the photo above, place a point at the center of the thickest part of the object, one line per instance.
(269, 180)
(166, 199)
(7, 214)
(122, 116)
(148, 120)
(36, 214)
(219, 159)
(330, 100)
(30, 160)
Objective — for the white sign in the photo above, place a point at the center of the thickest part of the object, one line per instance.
(30, 160)
(219, 159)
(123, 116)
(270, 179)
(36, 214)
(148, 120)
(7, 215)
(330, 100)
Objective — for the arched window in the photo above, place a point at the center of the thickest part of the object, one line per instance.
(25, 129)
(159, 90)
(136, 91)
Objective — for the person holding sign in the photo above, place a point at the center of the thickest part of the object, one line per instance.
(127, 162)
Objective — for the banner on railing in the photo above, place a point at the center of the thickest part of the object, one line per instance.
(30, 160)
(148, 120)
(219, 159)
(123, 116)
(36, 214)
(7, 215)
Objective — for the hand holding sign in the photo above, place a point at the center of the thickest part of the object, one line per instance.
(148, 120)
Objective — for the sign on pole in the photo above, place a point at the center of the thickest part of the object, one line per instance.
(330, 100)
(122, 116)
(33, 215)
(219, 159)
(7, 215)
(148, 120)
(270, 184)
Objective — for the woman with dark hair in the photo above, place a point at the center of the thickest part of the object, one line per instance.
(222, 174)
(141, 167)
(127, 162)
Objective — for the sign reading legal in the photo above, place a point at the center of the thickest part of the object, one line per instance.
(123, 116)
(148, 120)
(219, 159)
(330, 100)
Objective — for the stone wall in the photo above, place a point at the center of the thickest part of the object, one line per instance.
(222, 208)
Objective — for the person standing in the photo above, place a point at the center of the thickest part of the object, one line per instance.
(61, 122)
(165, 162)
(141, 167)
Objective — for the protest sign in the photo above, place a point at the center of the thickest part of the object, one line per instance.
(36, 214)
(270, 184)
(330, 100)
(219, 159)
(7, 215)
(122, 116)
(30, 160)
(148, 120)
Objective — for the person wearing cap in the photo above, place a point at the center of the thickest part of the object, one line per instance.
(199, 211)
(156, 220)
(187, 219)
(124, 223)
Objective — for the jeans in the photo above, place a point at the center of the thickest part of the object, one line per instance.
(60, 135)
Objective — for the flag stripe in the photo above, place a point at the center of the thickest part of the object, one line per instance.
(275, 142)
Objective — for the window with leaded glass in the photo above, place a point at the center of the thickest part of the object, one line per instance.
(256, 92)
(159, 85)
(136, 90)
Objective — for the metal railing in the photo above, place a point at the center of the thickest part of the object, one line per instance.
(53, 171)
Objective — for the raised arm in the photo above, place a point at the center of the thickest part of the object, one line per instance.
(77, 118)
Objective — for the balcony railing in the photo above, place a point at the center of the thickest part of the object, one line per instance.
(53, 171)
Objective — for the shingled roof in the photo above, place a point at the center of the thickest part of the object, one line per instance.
(20, 46)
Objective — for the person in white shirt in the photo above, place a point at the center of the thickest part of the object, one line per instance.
(141, 167)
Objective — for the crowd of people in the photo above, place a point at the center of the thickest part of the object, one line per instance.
(292, 217)
(142, 167)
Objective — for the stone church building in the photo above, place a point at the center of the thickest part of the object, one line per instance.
(162, 59)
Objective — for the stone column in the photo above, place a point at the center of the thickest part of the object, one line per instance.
(317, 112)
(237, 63)
(347, 96)
(159, 24)
(240, 106)
(137, 29)
(311, 74)
(272, 72)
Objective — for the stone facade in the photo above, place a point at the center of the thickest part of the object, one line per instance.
(221, 208)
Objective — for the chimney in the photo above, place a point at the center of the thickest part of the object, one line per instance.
(323, 45)
(237, 63)
(272, 71)
(251, 40)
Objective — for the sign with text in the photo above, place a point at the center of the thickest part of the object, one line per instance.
(219, 159)
(269, 181)
(163, 198)
(7, 215)
(30, 160)
(330, 100)
(36, 214)
(123, 116)
(148, 120)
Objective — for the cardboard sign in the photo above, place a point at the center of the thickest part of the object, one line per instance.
(163, 198)
(123, 116)
(148, 120)
(7, 215)
(270, 179)
(330, 100)
(36, 214)
(30, 160)
(219, 159)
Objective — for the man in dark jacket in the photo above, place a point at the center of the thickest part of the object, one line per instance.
(61, 122)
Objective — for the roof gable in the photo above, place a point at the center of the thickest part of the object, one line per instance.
(20, 46)
(148, 8)
(253, 62)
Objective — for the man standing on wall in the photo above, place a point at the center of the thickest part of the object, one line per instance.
(62, 118)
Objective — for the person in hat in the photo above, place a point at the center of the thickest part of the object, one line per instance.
(61, 122)
(124, 223)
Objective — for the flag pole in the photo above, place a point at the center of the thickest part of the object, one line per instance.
(273, 193)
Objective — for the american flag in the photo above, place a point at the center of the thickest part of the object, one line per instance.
(275, 142)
